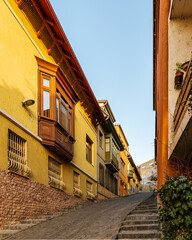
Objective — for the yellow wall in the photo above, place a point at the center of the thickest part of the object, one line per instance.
(83, 127)
(18, 81)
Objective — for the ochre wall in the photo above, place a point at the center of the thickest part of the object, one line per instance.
(18, 81)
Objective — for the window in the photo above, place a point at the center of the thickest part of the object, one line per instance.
(122, 167)
(151, 165)
(107, 148)
(76, 180)
(107, 178)
(63, 111)
(56, 96)
(89, 186)
(54, 168)
(54, 173)
(46, 88)
(101, 174)
(88, 149)
(17, 161)
(143, 177)
(143, 168)
(115, 152)
(100, 139)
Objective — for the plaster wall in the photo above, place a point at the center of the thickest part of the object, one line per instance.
(180, 47)
(19, 80)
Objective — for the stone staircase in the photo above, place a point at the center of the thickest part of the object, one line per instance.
(142, 222)
(23, 224)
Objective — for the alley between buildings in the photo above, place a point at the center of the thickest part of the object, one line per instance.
(100, 220)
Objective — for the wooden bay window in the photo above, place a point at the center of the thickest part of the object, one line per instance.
(56, 108)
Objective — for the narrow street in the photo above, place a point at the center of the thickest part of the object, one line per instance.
(96, 221)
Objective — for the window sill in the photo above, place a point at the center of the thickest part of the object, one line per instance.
(11, 172)
(56, 188)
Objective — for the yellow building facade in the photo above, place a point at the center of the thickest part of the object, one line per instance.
(48, 132)
(129, 177)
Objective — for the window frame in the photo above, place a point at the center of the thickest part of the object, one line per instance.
(57, 81)
(89, 146)
(78, 180)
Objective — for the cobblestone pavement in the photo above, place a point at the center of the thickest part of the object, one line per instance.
(100, 220)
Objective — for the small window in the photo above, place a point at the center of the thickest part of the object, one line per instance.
(151, 165)
(54, 168)
(76, 180)
(143, 176)
(143, 168)
(89, 186)
(54, 173)
(100, 139)
(89, 149)
(46, 97)
(101, 174)
(17, 161)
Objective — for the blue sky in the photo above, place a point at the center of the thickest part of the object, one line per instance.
(112, 40)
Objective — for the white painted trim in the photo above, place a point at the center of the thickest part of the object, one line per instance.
(18, 124)
(75, 165)
(24, 29)
(86, 120)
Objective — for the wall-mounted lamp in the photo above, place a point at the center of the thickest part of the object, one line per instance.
(28, 102)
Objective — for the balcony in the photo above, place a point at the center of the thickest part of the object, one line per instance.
(56, 138)
(130, 174)
(180, 9)
(182, 104)
(181, 146)
(111, 162)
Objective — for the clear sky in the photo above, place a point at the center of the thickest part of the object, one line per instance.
(112, 40)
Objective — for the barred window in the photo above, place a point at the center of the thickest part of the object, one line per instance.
(76, 180)
(17, 161)
(89, 186)
(54, 173)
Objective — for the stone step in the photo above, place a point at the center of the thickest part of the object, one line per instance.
(139, 234)
(18, 226)
(145, 212)
(146, 207)
(32, 221)
(142, 217)
(140, 227)
(54, 214)
(137, 222)
(44, 217)
(5, 233)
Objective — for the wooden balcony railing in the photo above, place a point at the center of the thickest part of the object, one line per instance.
(182, 104)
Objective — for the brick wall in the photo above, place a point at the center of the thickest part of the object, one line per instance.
(21, 198)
